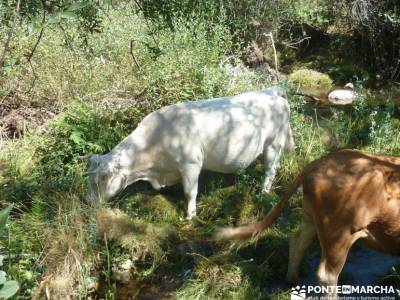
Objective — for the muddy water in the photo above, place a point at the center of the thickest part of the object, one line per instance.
(164, 287)
(364, 266)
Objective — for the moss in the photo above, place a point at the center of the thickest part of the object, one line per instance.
(248, 211)
(310, 81)
(161, 207)
(152, 207)
(221, 203)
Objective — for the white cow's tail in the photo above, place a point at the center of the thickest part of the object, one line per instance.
(289, 143)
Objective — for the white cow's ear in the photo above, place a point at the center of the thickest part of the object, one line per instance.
(95, 158)
(85, 157)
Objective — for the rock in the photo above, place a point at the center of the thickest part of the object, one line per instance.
(91, 283)
(122, 271)
(342, 97)
(127, 265)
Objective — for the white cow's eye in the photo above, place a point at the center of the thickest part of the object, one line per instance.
(103, 178)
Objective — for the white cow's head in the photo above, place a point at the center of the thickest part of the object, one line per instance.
(106, 179)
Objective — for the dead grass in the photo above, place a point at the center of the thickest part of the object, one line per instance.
(145, 242)
(68, 258)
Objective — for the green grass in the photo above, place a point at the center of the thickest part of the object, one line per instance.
(56, 238)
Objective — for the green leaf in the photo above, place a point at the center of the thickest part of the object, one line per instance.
(76, 137)
(4, 216)
(77, 5)
(1, 260)
(55, 18)
(9, 289)
(67, 15)
(2, 277)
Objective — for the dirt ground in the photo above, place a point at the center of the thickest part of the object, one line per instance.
(14, 122)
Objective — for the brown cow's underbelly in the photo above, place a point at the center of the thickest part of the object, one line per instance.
(382, 241)
(386, 248)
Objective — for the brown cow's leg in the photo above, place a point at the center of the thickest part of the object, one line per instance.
(334, 251)
(298, 245)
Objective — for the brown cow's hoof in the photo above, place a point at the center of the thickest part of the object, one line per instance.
(292, 280)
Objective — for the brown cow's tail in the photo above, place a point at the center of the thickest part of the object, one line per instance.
(249, 231)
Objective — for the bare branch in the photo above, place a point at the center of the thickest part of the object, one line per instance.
(147, 23)
(362, 12)
(133, 56)
(293, 44)
(30, 55)
(277, 77)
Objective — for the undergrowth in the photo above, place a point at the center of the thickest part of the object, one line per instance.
(61, 245)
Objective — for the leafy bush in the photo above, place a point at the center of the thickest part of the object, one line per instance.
(377, 28)
(83, 129)
(246, 19)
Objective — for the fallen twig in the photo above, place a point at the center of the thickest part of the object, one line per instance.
(40, 288)
(315, 98)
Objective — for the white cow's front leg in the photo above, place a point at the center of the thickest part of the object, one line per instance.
(272, 154)
(190, 177)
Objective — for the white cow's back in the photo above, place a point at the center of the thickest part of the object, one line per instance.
(222, 134)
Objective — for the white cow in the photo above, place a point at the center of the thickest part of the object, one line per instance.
(175, 143)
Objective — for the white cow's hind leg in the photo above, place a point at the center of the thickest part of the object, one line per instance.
(272, 154)
(190, 178)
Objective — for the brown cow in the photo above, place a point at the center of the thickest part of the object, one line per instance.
(348, 196)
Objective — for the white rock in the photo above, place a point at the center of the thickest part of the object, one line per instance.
(122, 271)
(127, 265)
(342, 97)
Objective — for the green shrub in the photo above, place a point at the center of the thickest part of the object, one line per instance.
(310, 81)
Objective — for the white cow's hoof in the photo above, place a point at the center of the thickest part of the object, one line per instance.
(267, 188)
(190, 216)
